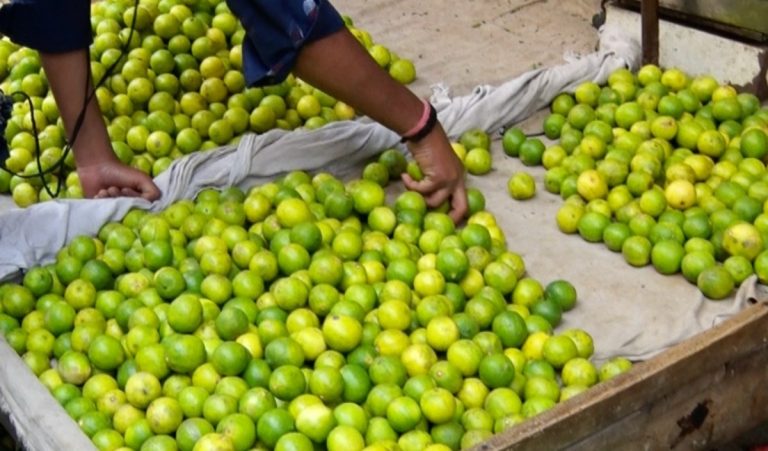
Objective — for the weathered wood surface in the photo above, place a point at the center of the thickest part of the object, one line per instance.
(30, 413)
(700, 394)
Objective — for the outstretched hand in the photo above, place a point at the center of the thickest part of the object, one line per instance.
(114, 179)
(443, 173)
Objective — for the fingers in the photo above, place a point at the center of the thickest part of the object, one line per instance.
(151, 192)
(146, 189)
(438, 197)
(459, 204)
(126, 191)
(435, 195)
(139, 185)
(148, 192)
(105, 193)
(425, 186)
(114, 179)
(129, 192)
(114, 191)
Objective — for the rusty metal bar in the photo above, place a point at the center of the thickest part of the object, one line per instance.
(649, 11)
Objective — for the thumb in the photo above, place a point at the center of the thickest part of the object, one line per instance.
(147, 189)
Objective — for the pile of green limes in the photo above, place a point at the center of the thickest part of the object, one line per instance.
(303, 313)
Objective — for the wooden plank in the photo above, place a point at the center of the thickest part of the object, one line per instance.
(701, 393)
(649, 10)
(29, 411)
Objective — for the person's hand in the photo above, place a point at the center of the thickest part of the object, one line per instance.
(111, 178)
(443, 173)
(101, 173)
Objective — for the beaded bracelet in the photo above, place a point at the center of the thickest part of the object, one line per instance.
(423, 127)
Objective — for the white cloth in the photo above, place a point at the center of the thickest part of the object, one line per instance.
(32, 236)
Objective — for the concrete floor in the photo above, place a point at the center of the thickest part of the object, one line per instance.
(471, 42)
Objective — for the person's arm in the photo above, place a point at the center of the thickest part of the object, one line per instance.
(309, 38)
(101, 173)
(61, 32)
(339, 65)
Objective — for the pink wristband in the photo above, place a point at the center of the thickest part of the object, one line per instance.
(421, 123)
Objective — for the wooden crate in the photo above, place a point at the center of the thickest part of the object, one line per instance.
(30, 413)
(700, 394)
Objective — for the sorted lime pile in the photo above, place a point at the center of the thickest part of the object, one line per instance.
(179, 89)
(667, 169)
(306, 313)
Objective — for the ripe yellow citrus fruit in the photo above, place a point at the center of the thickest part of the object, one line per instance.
(521, 186)
(680, 194)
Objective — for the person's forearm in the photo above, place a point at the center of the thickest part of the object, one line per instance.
(68, 74)
(101, 173)
(340, 66)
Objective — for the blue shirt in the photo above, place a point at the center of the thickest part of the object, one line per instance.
(275, 30)
(51, 26)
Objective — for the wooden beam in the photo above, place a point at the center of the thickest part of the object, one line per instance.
(649, 11)
(699, 394)
(29, 411)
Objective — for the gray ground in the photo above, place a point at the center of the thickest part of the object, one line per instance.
(465, 43)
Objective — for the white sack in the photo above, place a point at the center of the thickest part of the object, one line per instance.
(32, 236)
